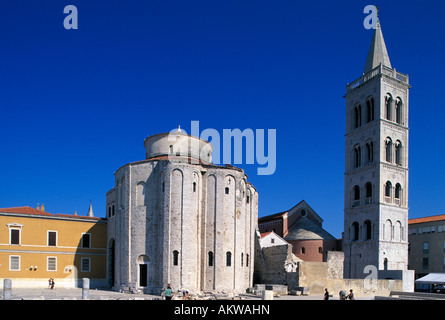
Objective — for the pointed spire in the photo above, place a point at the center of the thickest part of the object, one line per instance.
(377, 51)
(90, 210)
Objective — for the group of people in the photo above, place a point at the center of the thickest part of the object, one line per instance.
(168, 293)
(342, 295)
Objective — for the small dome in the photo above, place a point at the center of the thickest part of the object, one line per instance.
(177, 143)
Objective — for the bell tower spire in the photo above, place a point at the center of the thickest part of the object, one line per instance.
(377, 53)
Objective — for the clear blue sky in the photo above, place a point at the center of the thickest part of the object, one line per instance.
(76, 105)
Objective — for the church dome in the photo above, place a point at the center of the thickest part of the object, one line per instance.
(306, 229)
(178, 144)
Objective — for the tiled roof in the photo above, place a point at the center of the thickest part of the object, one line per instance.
(26, 210)
(427, 219)
(37, 212)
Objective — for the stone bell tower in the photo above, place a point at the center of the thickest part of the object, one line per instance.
(376, 166)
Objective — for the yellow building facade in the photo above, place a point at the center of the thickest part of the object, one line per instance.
(36, 245)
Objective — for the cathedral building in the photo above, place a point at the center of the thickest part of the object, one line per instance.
(175, 218)
(376, 166)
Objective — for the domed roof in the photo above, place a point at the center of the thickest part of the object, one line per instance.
(306, 229)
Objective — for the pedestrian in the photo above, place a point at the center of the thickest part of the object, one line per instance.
(351, 295)
(52, 283)
(168, 293)
(326, 294)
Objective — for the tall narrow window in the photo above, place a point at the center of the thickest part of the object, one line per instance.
(357, 116)
(388, 143)
(368, 229)
(398, 146)
(86, 240)
(228, 259)
(52, 238)
(175, 257)
(355, 230)
(370, 151)
(368, 187)
(388, 188)
(398, 105)
(370, 109)
(398, 193)
(247, 257)
(210, 259)
(356, 193)
(242, 259)
(357, 156)
(194, 186)
(227, 190)
(14, 236)
(388, 102)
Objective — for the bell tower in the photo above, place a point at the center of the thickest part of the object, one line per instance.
(376, 166)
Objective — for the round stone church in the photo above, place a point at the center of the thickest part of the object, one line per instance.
(175, 218)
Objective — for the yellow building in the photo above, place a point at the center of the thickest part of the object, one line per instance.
(36, 245)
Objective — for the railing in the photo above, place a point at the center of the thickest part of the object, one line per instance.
(380, 69)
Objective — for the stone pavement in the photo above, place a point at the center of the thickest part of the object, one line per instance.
(96, 294)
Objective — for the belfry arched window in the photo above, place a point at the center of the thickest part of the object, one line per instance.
(368, 229)
(357, 156)
(398, 193)
(210, 259)
(388, 104)
(370, 109)
(388, 145)
(370, 151)
(355, 231)
(357, 116)
(368, 187)
(388, 187)
(398, 148)
(399, 106)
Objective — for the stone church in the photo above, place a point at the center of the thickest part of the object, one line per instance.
(175, 218)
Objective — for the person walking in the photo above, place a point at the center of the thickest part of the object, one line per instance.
(168, 293)
(351, 295)
(326, 294)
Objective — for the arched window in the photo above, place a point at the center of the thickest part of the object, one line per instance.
(368, 187)
(355, 231)
(357, 116)
(368, 229)
(175, 257)
(398, 105)
(398, 193)
(388, 187)
(356, 194)
(398, 146)
(112, 210)
(388, 103)
(210, 259)
(357, 156)
(388, 143)
(171, 149)
(370, 151)
(140, 193)
(227, 190)
(228, 259)
(370, 109)
(387, 230)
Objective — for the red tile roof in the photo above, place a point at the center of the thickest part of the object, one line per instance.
(427, 219)
(26, 210)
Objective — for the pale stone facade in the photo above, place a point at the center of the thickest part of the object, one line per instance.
(376, 166)
(176, 218)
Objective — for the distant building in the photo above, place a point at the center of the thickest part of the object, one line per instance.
(301, 227)
(36, 245)
(426, 252)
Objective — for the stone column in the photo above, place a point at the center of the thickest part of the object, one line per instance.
(85, 289)
(7, 287)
